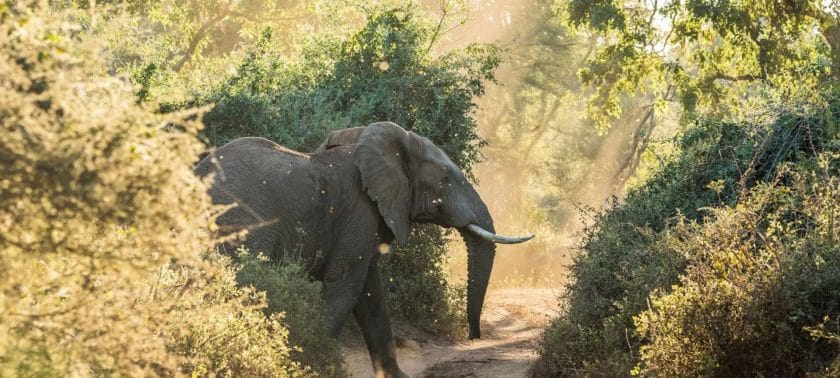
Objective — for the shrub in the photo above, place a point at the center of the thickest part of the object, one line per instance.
(384, 72)
(760, 274)
(102, 225)
(627, 254)
(219, 329)
(289, 291)
(418, 289)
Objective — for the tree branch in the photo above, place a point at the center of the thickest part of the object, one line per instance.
(251, 18)
(540, 130)
(640, 137)
(445, 12)
(721, 76)
(198, 37)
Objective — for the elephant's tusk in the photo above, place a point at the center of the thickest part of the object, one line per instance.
(487, 235)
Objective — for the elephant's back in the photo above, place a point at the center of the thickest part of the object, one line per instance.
(255, 170)
(247, 148)
(273, 190)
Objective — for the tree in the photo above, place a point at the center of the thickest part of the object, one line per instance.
(534, 114)
(706, 54)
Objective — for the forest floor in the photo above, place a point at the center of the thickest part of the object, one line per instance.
(512, 323)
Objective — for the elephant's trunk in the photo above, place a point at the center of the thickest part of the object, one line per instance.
(480, 237)
(480, 255)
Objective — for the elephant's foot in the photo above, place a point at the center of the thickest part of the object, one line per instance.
(392, 374)
(389, 370)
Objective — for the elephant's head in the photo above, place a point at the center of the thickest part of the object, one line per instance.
(412, 180)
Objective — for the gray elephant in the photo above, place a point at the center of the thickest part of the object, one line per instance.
(344, 204)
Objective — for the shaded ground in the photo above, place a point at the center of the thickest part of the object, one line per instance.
(512, 323)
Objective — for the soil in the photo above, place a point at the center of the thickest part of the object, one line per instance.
(512, 324)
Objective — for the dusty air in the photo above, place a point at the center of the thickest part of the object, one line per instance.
(424, 188)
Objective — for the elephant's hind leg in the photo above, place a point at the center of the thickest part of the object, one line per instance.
(344, 281)
(372, 315)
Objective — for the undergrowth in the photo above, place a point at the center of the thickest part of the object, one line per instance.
(290, 291)
(646, 258)
(103, 226)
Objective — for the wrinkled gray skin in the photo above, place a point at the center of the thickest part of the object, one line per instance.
(336, 207)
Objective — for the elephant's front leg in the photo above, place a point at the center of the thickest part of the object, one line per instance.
(372, 315)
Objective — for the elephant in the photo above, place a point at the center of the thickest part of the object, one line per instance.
(343, 205)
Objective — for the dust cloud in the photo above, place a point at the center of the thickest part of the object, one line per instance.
(543, 161)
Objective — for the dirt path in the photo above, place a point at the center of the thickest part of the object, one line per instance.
(512, 323)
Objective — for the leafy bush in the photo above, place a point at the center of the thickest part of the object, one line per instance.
(102, 225)
(219, 328)
(759, 274)
(627, 254)
(383, 72)
(418, 288)
(289, 291)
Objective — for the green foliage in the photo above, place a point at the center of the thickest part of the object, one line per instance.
(102, 225)
(289, 291)
(418, 289)
(760, 273)
(382, 72)
(192, 31)
(707, 54)
(219, 328)
(628, 253)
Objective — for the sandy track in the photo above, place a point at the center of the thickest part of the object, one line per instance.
(512, 323)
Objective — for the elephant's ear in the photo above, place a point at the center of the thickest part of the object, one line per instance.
(380, 156)
(341, 137)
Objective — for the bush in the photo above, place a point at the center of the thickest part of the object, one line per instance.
(418, 289)
(760, 275)
(289, 291)
(627, 253)
(353, 81)
(220, 330)
(102, 225)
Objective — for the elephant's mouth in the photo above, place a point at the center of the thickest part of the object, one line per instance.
(499, 239)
